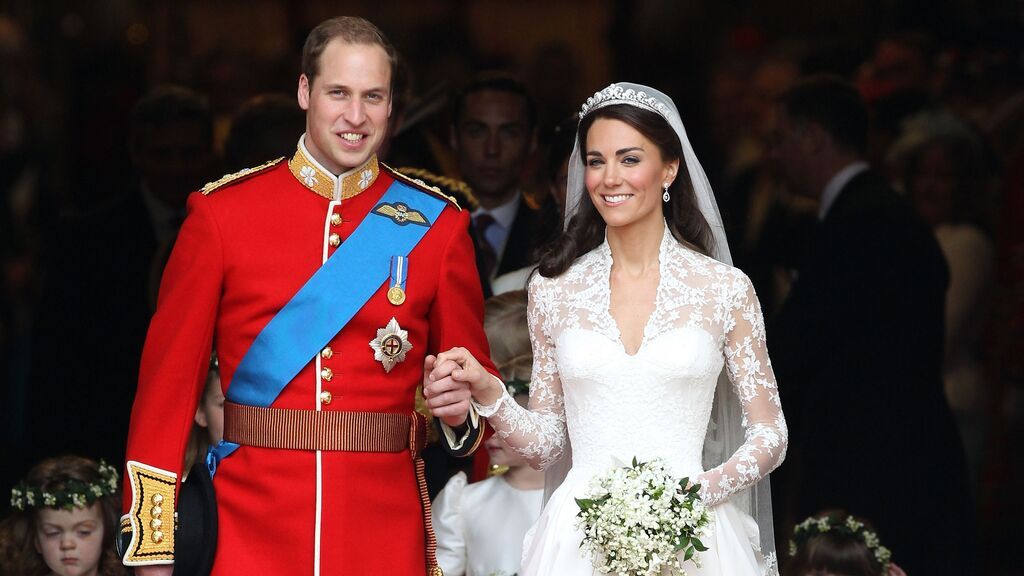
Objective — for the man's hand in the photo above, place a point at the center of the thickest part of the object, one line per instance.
(159, 570)
(459, 366)
(447, 398)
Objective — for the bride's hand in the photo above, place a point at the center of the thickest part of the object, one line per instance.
(459, 365)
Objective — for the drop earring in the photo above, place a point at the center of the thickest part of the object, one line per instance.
(665, 196)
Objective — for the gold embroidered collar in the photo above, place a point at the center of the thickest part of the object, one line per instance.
(312, 175)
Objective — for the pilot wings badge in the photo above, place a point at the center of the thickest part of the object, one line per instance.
(390, 345)
(401, 214)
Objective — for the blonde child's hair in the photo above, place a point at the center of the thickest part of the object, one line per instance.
(509, 335)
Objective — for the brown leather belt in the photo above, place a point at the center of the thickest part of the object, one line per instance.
(345, 431)
(323, 430)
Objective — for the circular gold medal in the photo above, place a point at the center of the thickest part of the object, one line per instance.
(396, 295)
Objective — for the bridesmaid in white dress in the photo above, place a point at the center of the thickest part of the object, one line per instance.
(633, 315)
(480, 526)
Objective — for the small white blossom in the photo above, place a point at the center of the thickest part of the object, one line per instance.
(16, 499)
(883, 554)
(49, 499)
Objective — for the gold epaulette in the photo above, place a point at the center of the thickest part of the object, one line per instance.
(152, 515)
(238, 176)
(422, 186)
(454, 187)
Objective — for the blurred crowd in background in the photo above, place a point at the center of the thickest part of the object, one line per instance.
(111, 113)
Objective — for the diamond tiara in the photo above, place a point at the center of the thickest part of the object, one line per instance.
(615, 94)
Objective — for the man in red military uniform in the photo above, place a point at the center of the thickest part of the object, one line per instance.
(322, 481)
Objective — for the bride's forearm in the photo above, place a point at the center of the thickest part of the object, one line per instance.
(539, 436)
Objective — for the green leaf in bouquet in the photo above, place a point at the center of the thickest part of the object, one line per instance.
(682, 543)
(585, 504)
(634, 462)
(698, 545)
(689, 554)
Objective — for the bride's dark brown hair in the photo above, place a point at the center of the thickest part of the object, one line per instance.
(586, 229)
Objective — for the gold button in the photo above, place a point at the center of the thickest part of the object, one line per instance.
(326, 398)
(156, 523)
(158, 536)
(158, 498)
(334, 239)
(326, 353)
(335, 219)
(156, 511)
(327, 374)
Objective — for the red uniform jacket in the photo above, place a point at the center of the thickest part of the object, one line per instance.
(244, 250)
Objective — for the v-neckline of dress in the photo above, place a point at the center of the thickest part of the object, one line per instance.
(608, 261)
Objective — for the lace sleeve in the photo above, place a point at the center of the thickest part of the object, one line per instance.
(750, 370)
(538, 434)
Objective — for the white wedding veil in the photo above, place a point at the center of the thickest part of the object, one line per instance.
(725, 430)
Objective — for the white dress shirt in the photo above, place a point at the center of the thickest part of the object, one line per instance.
(836, 185)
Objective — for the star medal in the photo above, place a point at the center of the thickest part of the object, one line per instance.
(390, 345)
(399, 270)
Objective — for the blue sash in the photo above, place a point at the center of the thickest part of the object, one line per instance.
(329, 299)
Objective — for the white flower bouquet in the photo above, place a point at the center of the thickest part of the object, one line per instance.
(640, 521)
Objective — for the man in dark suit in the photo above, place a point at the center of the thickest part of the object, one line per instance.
(858, 346)
(493, 133)
(101, 281)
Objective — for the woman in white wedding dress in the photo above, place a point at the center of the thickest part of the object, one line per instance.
(633, 315)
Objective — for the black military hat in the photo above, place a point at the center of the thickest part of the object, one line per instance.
(195, 539)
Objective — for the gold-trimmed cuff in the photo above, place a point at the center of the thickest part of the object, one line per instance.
(470, 439)
(151, 516)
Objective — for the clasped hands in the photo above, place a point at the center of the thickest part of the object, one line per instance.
(451, 379)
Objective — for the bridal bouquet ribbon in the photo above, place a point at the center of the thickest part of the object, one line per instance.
(639, 520)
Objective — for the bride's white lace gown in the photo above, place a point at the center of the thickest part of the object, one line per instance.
(613, 406)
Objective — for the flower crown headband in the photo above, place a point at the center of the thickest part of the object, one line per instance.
(615, 94)
(812, 527)
(73, 494)
(517, 386)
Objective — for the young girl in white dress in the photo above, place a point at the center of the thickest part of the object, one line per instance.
(480, 526)
(633, 315)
